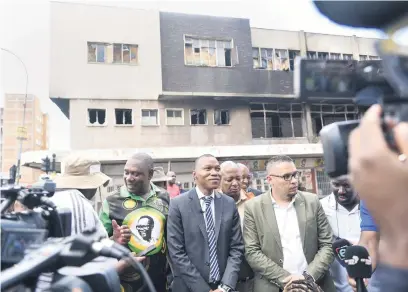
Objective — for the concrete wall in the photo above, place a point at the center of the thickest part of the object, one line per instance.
(84, 136)
(71, 76)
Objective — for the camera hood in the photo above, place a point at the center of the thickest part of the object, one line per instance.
(363, 14)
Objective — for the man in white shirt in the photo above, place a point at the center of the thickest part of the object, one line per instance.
(342, 208)
(286, 233)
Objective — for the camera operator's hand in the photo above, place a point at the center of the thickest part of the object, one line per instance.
(380, 176)
(121, 234)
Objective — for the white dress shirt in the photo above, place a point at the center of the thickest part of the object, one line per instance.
(201, 198)
(345, 224)
(294, 260)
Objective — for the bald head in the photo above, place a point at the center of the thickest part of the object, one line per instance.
(243, 167)
(246, 177)
(138, 173)
(227, 165)
(231, 179)
(202, 159)
(144, 159)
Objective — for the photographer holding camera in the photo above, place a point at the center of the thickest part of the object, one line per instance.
(385, 196)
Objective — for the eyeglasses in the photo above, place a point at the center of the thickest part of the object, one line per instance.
(288, 176)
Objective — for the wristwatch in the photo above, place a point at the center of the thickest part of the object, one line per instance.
(225, 288)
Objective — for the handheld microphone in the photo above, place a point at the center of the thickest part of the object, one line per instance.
(339, 249)
(358, 263)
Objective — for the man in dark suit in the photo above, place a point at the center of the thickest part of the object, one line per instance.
(204, 234)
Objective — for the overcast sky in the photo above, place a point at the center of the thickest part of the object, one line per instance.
(24, 29)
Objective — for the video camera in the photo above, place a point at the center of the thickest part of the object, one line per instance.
(33, 226)
(79, 262)
(369, 82)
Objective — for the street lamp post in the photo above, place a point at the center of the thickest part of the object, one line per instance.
(21, 137)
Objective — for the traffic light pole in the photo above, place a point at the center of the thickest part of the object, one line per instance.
(20, 138)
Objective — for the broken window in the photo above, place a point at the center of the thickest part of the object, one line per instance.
(150, 117)
(208, 52)
(198, 117)
(123, 116)
(112, 53)
(276, 120)
(324, 114)
(221, 117)
(292, 57)
(174, 117)
(267, 59)
(96, 116)
(255, 58)
(96, 52)
(281, 60)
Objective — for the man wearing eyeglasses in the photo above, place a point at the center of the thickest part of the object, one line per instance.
(286, 233)
(342, 208)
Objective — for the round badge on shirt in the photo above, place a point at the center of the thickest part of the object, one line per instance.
(147, 227)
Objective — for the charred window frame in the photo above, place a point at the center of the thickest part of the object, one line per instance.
(325, 114)
(198, 117)
(221, 117)
(276, 120)
(274, 59)
(123, 116)
(328, 56)
(96, 117)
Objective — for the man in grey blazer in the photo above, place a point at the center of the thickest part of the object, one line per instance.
(287, 235)
(204, 237)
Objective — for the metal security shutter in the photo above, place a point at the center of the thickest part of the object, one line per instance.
(323, 183)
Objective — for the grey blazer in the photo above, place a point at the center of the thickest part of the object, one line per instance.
(263, 248)
(188, 243)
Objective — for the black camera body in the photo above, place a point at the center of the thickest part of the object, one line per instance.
(369, 82)
(42, 220)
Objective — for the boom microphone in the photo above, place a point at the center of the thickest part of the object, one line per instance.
(358, 263)
(339, 248)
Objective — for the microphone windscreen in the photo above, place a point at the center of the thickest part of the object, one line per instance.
(358, 262)
(339, 249)
(365, 14)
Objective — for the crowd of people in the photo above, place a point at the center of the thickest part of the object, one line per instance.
(223, 236)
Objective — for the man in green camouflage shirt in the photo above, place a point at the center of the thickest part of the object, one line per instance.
(136, 216)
